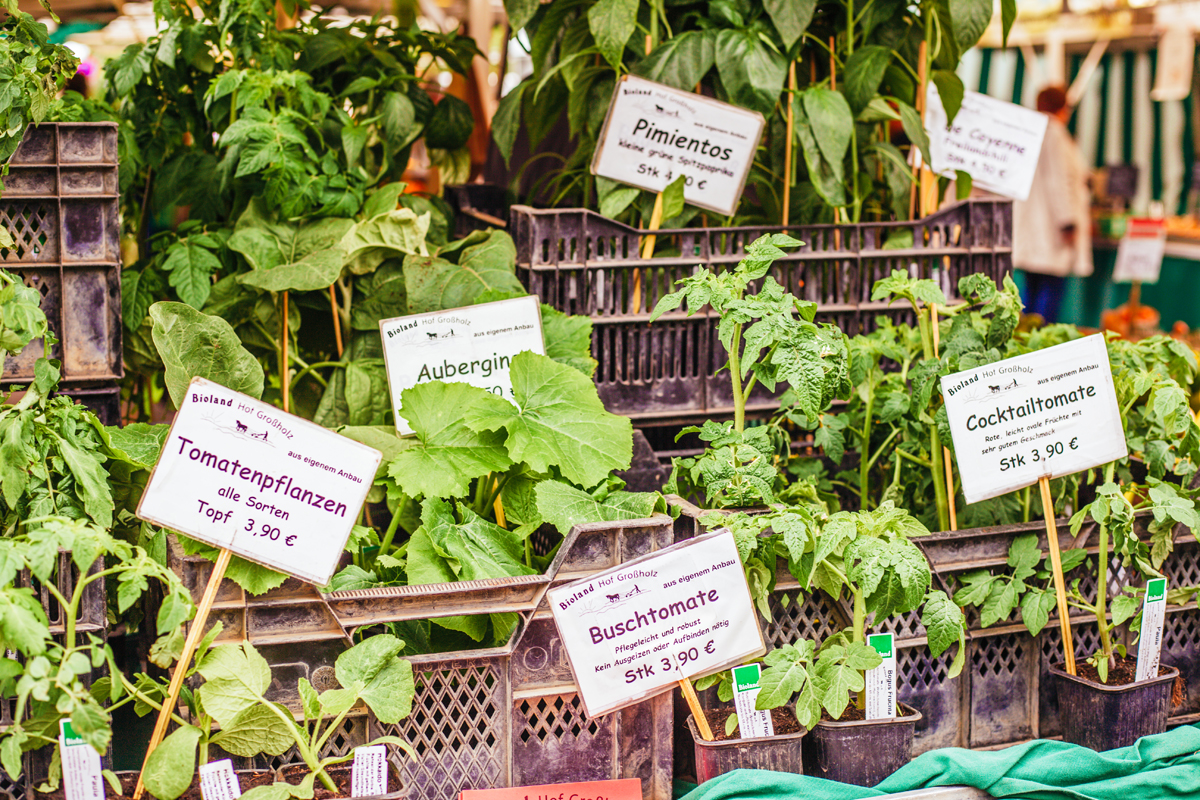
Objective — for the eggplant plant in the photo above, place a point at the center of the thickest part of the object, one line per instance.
(770, 339)
(867, 559)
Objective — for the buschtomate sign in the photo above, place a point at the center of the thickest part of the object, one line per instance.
(653, 134)
(1044, 414)
(240, 474)
(472, 345)
(636, 630)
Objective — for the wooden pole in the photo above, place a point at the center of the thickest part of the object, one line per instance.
(689, 694)
(787, 149)
(922, 50)
(285, 370)
(648, 243)
(1060, 586)
(195, 634)
(945, 450)
(337, 320)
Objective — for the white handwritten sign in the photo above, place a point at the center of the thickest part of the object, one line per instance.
(996, 143)
(636, 630)
(472, 345)
(653, 134)
(1140, 253)
(238, 473)
(1048, 413)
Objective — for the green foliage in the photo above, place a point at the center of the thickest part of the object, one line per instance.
(21, 316)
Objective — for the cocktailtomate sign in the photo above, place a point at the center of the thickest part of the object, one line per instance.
(240, 474)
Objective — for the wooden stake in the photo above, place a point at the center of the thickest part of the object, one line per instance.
(922, 51)
(832, 66)
(648, 243)
(689, 694)
(1060, 587)
(285, 368)
(945, 450)
(787, 148)
(195, 634)
(337, 320)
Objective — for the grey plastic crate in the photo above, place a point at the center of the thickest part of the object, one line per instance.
(583, 263)
(60, 205)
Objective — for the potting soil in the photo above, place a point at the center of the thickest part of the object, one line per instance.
(1157, 767)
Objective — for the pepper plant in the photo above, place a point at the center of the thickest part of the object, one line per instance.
(770, 338)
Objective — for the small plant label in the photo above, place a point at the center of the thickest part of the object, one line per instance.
(636, 630)
(1140, 253)
(881, 681)
(996, 143)
(218, 781)
(1044, 414)
(80, 766)
(752, 722)
(624, 789)
(653, 134)
(368, 777)
(472, 345)
(240, 474)
(1154, 607)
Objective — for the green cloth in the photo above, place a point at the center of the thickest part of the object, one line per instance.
(1156, 768)
(1174, 295)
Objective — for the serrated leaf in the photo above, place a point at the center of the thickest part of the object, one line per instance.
(256, 730)
(943, 622)
(194, 344)
(236, 678)
(565, 506)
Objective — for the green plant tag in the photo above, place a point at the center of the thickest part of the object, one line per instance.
(1150, 645)
(80, 765)
(746, 685)
(881, 681)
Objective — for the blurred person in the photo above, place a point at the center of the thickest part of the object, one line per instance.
(1052, 230)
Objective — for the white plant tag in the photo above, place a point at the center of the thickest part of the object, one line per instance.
(752, 723)
(80, 766)
(369, 776)
(218, 781)
(881, 681)
(1154, 607)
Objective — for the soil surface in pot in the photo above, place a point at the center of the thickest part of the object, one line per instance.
(855, 714)
(340, 773)
(784, 720)
(129, 783)
(1125, 672)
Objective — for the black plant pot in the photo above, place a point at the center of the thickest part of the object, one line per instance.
(862, 752)
(1105, 717)
(778, 753)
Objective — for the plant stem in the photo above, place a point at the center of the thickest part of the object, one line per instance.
(915, 459)
(390, 533)
(860, 617)
(1028, 492)
(735, 373)
(936, 467)
(864, 464)
(1106, 647)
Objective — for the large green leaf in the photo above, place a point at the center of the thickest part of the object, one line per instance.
(382, 680)
(315, 271)
(612, 23)
(950, 90)
(392, 235)
(914, 128)
(827, 178)
(450, 125)
(235, 679)
(558, 421)
(565, 506)
(831, 119)
(140, 444)
(751, 72)
(568, 339)
(680, 61)
(487, 264)
(971, 18)
(475, 549)
(863, 72)
(266, 242)
(255, 731)
(791, 18)
(193, 344)
(192, 267)
(171, 767)
(448, 454)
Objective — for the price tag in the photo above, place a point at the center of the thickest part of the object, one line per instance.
(1048, 413)
(752, 722)
(1140, 253)
(995, 142)
(472, 345)
(653, 134)
(80, 766)
(218, 781)
(273, 488)
(638, 629)
(368, 776)
(1154, 607)
(881, 681)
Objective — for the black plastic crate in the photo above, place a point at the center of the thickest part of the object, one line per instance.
(583, 263)
(60, 205)
(478, 206)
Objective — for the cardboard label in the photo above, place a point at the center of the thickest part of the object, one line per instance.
(995, 142)
(752, 723)
(626, 789)
(239, 473)
(368, 776)
(653, 134)
(218, 781)
(636, 630)
(472, 345)
(1140, 253)
(80, 766)
(1049, 413)
(1154, 608)
(881, 681)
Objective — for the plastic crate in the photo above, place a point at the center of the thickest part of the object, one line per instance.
(583, 263)
(60, 205)
(478, 206)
